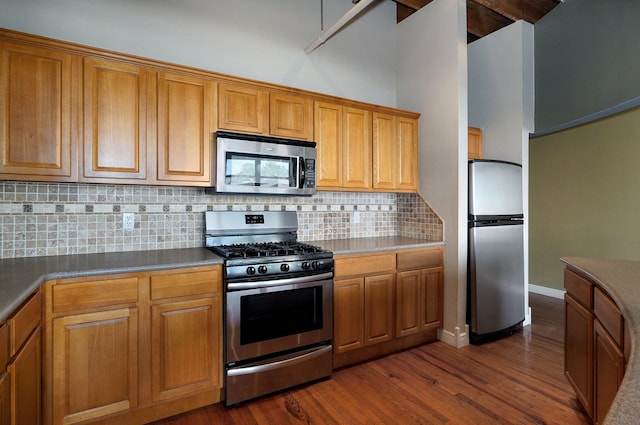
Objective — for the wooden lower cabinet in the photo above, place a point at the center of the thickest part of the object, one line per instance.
(419, 300)
(386, 302)
(348, 314)
(378, 308)
(183, 336)
(595, 344)
(25, 372)
(609, 365)
(5, 398)
(132, 348)
(95, 357)
(578, 351)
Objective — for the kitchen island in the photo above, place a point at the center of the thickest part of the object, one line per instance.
(620, 279)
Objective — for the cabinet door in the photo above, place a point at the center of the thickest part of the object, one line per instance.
(243, 108)
(475, 143)
(356, 143)
(25, 371)
(291, 116)
(115, 120)
(578, 349)
(408, 299)
(432, 296)
(407, 159)
(328, 138)
(609, 370)
(378, 308)
(38, 125)
(384, 152)
(348, 312)
(95, 359)
(5, 399)
(185, 350)
(186, 122)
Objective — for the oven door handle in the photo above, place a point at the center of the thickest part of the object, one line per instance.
(279, 364)
(278, 282)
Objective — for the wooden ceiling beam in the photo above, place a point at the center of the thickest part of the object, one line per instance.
(528, 10)
(414, 4)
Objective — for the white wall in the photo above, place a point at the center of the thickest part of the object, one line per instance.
(501, 74)
(432, 80)
(256, 39)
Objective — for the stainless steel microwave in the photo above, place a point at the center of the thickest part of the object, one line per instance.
(251, 164)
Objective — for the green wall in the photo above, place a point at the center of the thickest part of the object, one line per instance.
(584, 195)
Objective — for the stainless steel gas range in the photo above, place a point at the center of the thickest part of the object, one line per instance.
(278, 303)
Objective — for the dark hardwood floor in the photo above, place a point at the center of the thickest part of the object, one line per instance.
(516, 380)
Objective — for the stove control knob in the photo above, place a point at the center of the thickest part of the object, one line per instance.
(284, 267)
(262, 269)
(315, 265)
(251, 270)
(305, 265)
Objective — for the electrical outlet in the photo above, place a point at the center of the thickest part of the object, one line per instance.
(128, 221)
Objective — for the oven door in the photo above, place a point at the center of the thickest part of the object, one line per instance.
(275, 316)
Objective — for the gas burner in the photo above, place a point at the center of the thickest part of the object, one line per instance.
(265, 249)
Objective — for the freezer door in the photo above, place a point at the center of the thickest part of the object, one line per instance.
(495, 188)
(496, 278)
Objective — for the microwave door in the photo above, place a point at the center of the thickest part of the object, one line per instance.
(303, 173)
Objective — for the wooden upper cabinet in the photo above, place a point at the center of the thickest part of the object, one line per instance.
(356, 148)
(116, 104)
(38, 121)
(475, 143)
(328, 138)
(243, 108)
(395, 153)
(291, 116)
(407, 159)
(384, 151)
(186, 122)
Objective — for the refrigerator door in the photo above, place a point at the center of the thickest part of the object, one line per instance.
(496, 278)
(495, 188)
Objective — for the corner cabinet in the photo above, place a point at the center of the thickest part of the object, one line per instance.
(20, 359)
(594, 344)
(132, 347)
(385, 302)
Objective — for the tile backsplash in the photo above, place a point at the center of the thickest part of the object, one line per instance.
(38, 219)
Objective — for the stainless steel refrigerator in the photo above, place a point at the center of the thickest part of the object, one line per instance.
(495, 290)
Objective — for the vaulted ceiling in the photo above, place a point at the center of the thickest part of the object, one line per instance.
(487, 16)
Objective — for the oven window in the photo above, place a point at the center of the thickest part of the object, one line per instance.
(278, 314)
(260, 170)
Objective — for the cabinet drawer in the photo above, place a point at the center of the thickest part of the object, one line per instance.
(609, 315)
(421, 259)
(22, 324)
(364, 265)
(97, 293)
(579, 288)
(184, 284)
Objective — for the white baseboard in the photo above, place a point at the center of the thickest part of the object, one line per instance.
(549, 292)
(457, 338)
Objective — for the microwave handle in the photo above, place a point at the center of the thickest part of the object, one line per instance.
(303, 172)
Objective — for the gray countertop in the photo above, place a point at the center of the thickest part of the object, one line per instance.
(19, 277)
(363, 245)
(621, 280)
